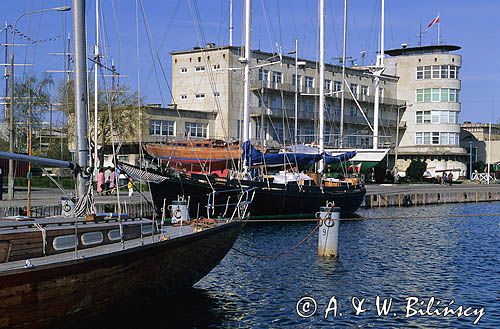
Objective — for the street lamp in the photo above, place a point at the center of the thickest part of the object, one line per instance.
(10, 186)
(470, 160)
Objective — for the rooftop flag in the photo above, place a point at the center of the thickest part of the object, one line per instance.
(434, 21)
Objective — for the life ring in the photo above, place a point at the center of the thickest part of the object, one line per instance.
(329, 223)
(178, 213)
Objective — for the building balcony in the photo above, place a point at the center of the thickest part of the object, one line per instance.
(311, 91)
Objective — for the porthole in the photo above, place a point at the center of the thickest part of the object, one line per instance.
(91, 238)
(114, 235)
(64, 242)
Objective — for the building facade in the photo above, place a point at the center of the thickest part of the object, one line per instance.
(475, 139)
(210, 80)
(429, 81)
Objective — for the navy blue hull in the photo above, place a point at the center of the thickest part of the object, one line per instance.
(269, 201)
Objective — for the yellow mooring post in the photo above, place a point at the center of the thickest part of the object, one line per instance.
(328, 241)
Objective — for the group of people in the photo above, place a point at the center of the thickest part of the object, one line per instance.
(108, 179)
(446, 179)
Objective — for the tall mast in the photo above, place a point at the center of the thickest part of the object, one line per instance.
(342, 100)
(231, 23)
(380, 66)
(248, 53)
(96, 87)
(81, 102)
(296, 128)
(321, 81)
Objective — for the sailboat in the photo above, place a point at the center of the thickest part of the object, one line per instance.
(285, 195)
(56, 271)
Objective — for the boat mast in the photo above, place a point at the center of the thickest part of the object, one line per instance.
(82, 149)
(296, 128)
(246, 92)
(321, 81)
(96, 87)
(342, 100)
(379, 68)
(230, 23)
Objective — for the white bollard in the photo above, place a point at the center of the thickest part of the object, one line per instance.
(328, 242)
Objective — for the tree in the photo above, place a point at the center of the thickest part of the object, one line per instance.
(118, 115)
(416, 170)
(32, 102)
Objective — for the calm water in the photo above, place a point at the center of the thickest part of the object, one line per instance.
(446, 258)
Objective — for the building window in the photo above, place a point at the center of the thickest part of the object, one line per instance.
(277, 77)
(354, 88)
(216, 66)
(328, 85)
(216, 93)
(419, 138)
(364, 90)
(184, 69)
(263, 75)
(184, 96)
(437, 72)
(436, 95)
(199, 95)
(161, 128)
(436, 117)
(200, 68)
(337, 86)
(308, 134)
(296, 78)
(278, 132)
(196, 129)
(309, 82)
(437, 138)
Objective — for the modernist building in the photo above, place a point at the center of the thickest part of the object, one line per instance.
(429, 81)
(210, 80)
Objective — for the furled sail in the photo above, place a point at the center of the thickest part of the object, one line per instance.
(255, 158)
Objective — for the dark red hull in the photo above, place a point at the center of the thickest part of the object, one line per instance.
(58, 294)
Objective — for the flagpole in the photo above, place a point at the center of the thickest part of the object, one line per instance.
(439, 29)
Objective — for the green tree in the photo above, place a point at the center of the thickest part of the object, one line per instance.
(117, 117)
(32, 103)
(416, 170)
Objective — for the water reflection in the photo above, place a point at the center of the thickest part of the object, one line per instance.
(449, 258)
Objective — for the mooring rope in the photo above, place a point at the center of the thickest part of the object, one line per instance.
(305, 220)
(282, 252)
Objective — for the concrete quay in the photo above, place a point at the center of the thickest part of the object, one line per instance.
(399, 195)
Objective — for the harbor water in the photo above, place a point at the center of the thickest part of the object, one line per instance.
(424, 266)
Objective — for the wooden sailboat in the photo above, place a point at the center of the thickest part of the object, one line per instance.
(56, 271)
(196, 155)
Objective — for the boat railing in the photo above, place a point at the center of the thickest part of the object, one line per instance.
(239, 206)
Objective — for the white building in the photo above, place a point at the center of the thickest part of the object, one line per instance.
(210, 80)
(429, 81)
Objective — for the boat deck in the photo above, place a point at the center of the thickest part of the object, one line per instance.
(7, 226)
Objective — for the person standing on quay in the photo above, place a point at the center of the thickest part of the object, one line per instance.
(112, 181)
(107, 174)
(450, 177)
(100, 181)
(130, 187)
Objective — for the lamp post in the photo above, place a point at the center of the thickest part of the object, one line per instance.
(10, 186)
(470, 160)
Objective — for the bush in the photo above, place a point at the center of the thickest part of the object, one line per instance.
(416, 170)
(379, 172)
(480, 166)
